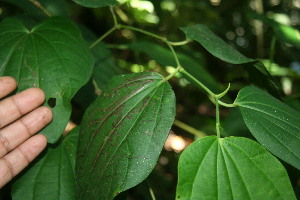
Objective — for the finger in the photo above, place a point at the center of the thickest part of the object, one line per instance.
(14, 107)
(14, 162)
(7, 85)
(16, 133)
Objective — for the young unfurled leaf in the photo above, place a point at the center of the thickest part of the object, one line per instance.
(231, 168)
(51, 56)
(122, 134)
(274, 124)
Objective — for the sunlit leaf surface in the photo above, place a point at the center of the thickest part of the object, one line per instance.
(231, 168)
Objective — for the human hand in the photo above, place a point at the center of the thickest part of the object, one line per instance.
(21, 116)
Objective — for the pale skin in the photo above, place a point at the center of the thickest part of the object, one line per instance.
(21, 117)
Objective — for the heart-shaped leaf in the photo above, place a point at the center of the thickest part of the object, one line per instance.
(274, 124)
(122, 134)
(51, 56)
(231, 168)
(96, 3)
(51, 176)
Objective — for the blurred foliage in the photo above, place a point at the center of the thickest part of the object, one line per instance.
(267, 30)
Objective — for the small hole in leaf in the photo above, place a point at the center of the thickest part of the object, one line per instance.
(51, 102)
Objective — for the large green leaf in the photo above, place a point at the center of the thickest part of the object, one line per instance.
(122, 134)
(96, 3)
(215, 45)
(231, 168)
(274, 124)
(165, 57)
(52, 176)
(51, 56)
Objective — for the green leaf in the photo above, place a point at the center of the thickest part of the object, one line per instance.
(96, 3)
(261, 77)
(231, 168)
(274, 124)
(51, 176)
(165, 57)
(122, 134)
(51, 56)
(215, 45)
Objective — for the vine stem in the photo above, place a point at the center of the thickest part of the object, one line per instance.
(272, 51)
(217, 117)
(143, 31)
(182, 70)
(152, 193)
(189, 129)
(170, 44)
(114, 15)
(179, 43)
(39, 6)
(103, 36)
(228, 105)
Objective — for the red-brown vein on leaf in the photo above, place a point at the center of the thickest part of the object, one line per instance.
(117, 105)
(100, 150)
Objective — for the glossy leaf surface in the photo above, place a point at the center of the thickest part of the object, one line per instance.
(215, 45)
(231, 168)
(274, 124)
(122, 134)
(96, 3)
(51, 56)
(51, 176)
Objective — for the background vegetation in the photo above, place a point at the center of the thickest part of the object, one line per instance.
(267, 30)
